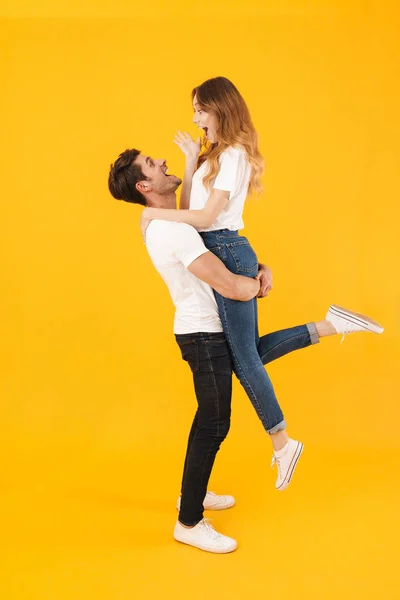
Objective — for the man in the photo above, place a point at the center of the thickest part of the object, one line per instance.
(190, 272)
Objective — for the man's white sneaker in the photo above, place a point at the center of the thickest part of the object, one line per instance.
(213, 502)
(346, 321)
(286, 461)
(204, 536)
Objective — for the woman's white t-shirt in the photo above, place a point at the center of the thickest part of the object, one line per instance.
(233, 176)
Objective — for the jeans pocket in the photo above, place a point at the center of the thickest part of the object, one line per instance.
(244, 257)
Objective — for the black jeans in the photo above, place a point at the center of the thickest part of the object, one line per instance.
(211, 364)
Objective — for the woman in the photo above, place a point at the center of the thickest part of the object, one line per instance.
(216, 184)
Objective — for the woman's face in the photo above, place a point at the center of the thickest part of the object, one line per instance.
(206, 121)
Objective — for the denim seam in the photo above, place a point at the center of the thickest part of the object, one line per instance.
(215, 384)
(256, 402)
(236, 259)
(190, 451)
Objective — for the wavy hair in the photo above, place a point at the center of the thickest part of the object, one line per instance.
(235, 127)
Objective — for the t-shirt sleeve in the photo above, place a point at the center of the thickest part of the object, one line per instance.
(188, 244)
(230, 165)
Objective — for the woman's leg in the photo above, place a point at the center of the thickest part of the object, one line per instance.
(239, 323)
(278, 343)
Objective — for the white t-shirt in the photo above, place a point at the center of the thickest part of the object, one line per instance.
(172, 248)
(233, 176)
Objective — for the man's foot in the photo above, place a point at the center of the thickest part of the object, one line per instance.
(204, 536)
(346, 321)
(213, 502)
(286, 461)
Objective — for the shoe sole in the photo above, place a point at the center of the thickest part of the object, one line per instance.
(219, 507)
(357, 318)
(206, 549)
(292, 467)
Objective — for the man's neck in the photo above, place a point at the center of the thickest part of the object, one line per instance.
(157, 201)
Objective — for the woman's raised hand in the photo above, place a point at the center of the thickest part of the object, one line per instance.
(189, 147)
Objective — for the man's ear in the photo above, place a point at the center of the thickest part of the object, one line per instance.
(143, 186)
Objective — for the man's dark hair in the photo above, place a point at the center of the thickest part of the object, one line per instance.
(123, 177)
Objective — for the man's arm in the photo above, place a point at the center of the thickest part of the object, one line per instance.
(210, 269)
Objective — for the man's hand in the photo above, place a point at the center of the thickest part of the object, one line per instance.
(264, 275)
(145, 221)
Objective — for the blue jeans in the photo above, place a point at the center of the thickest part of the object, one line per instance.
(240, 324)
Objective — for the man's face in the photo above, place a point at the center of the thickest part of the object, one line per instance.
(157, 179)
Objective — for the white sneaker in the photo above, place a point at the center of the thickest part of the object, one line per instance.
(346, 321)
(286, 460)
(213, 502)
(204, 536)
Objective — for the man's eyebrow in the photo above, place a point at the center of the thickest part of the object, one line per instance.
(147, 160)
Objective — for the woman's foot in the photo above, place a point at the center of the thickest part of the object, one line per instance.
(286, 460)
(346, 321)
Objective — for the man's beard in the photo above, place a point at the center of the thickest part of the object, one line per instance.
(171, 185)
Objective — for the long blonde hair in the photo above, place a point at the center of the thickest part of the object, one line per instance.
(235, 127)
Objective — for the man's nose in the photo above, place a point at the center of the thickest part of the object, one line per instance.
(161, 162)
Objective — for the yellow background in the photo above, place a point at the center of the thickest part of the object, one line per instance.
(96, 402)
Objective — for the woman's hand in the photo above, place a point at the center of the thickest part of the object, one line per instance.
(264, 276)
(145, 221)
(189, 147)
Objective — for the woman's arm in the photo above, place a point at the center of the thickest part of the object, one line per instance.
(191, 150)
(190, 168)
(199, 219)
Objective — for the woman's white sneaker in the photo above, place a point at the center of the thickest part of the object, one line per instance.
(346, 321)
(286, 460)
(213, 502)
(204, 537)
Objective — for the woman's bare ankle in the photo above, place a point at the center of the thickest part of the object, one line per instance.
(325, 328)
(279, 439)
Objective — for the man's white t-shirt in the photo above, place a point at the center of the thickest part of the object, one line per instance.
(172, 248)
(233, 176)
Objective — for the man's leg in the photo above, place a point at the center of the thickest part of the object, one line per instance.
(189, 444)
(211, 364)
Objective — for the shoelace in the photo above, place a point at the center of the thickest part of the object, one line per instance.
(346, 332)
(278, 464)
(209, 529)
